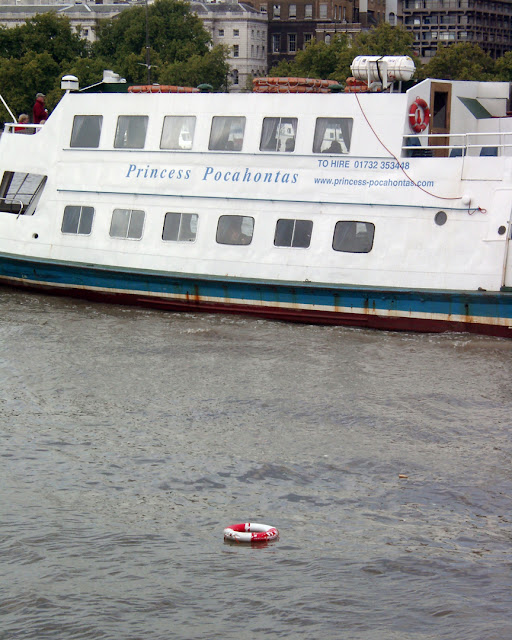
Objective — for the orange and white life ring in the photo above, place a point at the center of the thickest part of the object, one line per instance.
(160, 88)
(251, 532)
(419, 115)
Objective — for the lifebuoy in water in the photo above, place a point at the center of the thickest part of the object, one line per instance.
(419, 115)
(251, 532)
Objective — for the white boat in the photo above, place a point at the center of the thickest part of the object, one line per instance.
(375, 208)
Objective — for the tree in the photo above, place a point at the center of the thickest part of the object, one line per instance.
(176, 35)
(211, 68)
(461, 61)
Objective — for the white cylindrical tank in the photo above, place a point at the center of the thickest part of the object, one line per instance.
(382, 68)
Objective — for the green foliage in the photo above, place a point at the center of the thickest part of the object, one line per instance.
(503, 67)
(51, 33)
(210, 68)
(175, 35)
(462, 61)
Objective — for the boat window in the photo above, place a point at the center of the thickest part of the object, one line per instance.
(278, 134)
(86, 131)
(127, 223)
(180, 227)
(332, 135)
(353, 237)
(77, 220)
(178, 132)
(131, 132)
(293, 233)
(227, 133)
(20, 192)
(235, 230)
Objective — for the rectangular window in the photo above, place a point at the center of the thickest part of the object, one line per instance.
(235, 230)
(236, 51)
(227, 133)
(276, 42)
(180, 227)
(353, 237)
(77, 220)
(178, 132)
(293, 233)
(278, 134)
(332, 135)
(307, 38)
(292, 43)
(292, 11)
(20, 192)
(323, 12)
(127, 223)
(236, 33)
(131, 132)
(308, 11)
(86, 132)
(221, 33)
(277, 11)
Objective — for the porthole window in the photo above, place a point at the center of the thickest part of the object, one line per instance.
(502, 230)
(440, 218)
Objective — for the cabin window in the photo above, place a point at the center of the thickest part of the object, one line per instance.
(77, 220)
(20, 192)
(86, 132)
(235, 230)
(278, 134)
(351, 236)
(127, 223)
(180, 227)
(293, 233)
(332, 135)
(227, 133)
(178, 132)
(131, 132)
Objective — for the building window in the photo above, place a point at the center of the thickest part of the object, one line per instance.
(20, 192)
(292, 43)
(332, 135)
(236, 51)
(263, 8)
(293, 233)
(236, 33)
(307, 38)
(235, 76)
(180, 227)
(131, 132)
(221, 33)
(127, 223)
(322, 12)
(308, 11)
(276, 42)
(327, 39)
(77, 220)
(227, 133)
(277, 11)
(353, 237)
(278, 134)
(178, 132)
(235, 230)
(86, 132)
(292, 11)
(252, 51)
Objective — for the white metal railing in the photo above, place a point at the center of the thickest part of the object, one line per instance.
(7, 205)
(459, 144)
(17, 127)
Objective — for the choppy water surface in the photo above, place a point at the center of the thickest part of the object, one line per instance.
(131, 438)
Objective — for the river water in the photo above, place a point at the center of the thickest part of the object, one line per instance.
(130, 439)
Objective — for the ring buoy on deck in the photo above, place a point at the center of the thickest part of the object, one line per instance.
(161, 88)
(251, 532)
(419, 115)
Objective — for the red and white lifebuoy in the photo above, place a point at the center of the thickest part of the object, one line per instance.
(419, 115)
(251, 532)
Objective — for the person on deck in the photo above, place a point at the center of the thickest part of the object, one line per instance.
(23, 120)
(39, 112)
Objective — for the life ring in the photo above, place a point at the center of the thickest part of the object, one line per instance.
(251, 532)
(419, 115)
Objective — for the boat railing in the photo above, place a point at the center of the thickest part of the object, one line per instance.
(16, 127)
(427, 145)
(12, 205)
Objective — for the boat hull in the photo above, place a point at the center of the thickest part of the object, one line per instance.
(423, 310)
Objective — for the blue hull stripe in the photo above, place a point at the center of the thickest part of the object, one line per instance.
(455, 306)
